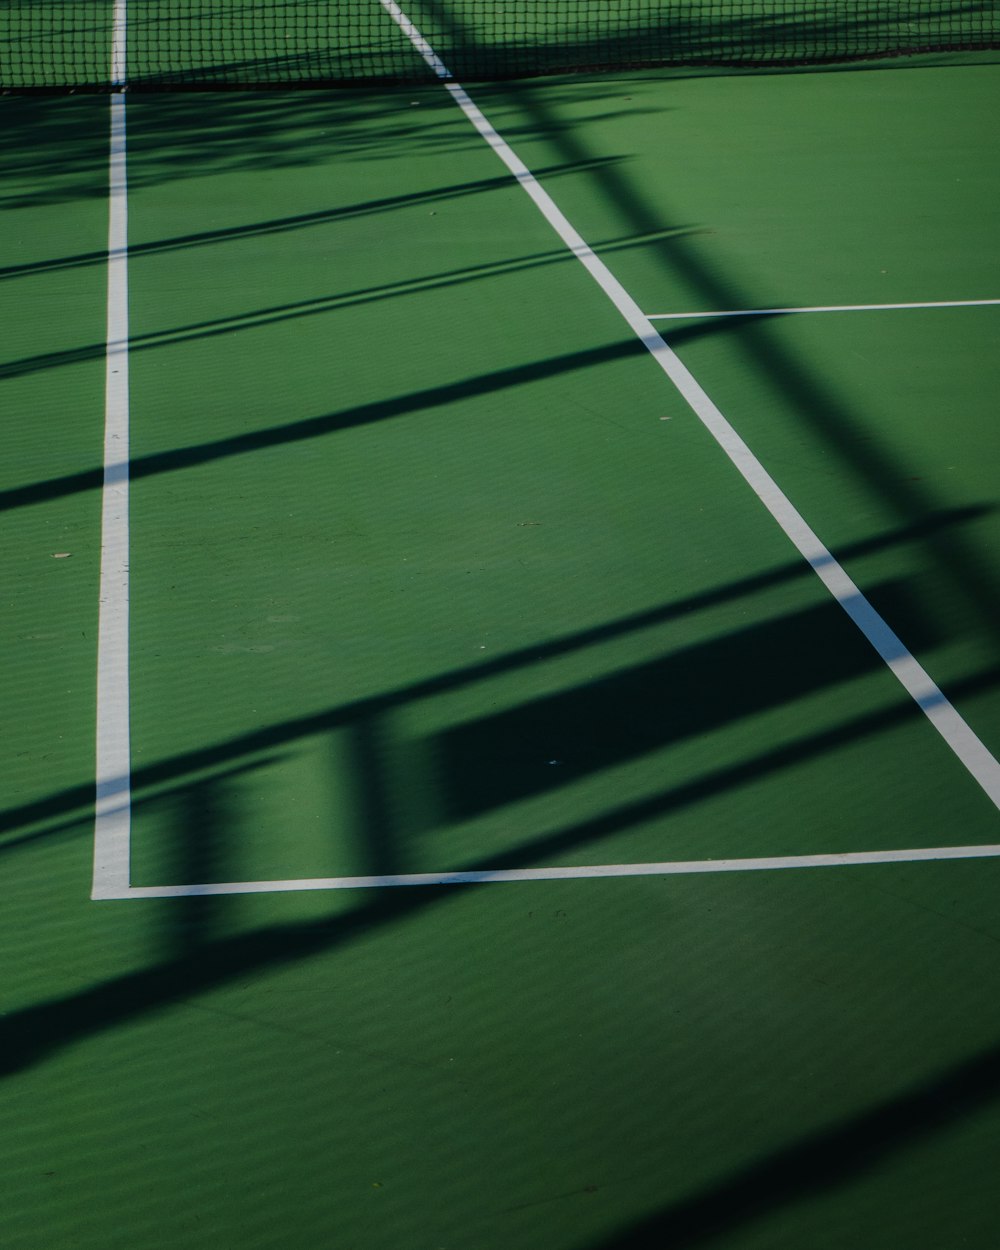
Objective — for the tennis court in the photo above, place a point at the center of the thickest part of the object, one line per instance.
(502, 674)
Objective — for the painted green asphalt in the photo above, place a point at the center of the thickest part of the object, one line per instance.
(827, 190)
(404, 506)
(423, 581)
(52, 292)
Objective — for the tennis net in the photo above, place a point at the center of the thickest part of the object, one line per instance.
(168, 44)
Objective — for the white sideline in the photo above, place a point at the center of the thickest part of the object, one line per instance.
(113, 767)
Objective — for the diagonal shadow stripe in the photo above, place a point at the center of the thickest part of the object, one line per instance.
(281, 225)
(317, 427)
(80, 797)
(275, 314)
(822, 1162)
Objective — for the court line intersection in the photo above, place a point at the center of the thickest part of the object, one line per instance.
(111, 878)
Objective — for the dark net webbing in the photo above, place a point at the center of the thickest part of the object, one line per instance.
(63, 44)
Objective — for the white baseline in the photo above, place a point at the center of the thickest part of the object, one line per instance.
(486, 876)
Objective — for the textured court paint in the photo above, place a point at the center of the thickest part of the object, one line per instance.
(113, 767)
(891, 220)
(977, 759)
(748, 1060)
(411, 565)
(981, 764)
(53, 421)
(875, 419)
(53, 187)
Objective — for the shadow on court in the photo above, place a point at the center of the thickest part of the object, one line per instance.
(56, 146)
(757, 341)
(260, 229)
(503, 757)
(199, 953)
(590, 727)
(205, 814)
(253, 319)
(407, 405)
(823, 1162)
(595, 724)
(64, 807)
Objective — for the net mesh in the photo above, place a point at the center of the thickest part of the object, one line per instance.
(67, 44)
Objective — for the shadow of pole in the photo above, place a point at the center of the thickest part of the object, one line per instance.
(820, 1163)
(315, 427)
(813, 397)
(69, 803)
(258, 229)
(276, 314)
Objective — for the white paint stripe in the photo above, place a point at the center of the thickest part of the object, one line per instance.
(684, 867)
(113, 804)
(118, 44)
(410, 30)
(822, 308)
(942, 715)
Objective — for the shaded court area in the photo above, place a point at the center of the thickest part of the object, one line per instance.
(432, 571)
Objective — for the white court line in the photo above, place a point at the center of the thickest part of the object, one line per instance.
(119, 32)
(822, 308)
(113, 768)
(907, 670)
(109, 848)
(485, 876)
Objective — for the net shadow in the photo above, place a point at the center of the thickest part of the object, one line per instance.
(66, 44)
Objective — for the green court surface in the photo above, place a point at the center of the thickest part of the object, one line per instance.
(432, 570)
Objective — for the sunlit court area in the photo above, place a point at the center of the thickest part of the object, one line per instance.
(500, 529)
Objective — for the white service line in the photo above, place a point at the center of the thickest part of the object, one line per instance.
(486, 876)
(113, 768)
(822, 308)
(908, 671)
(119, 31)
